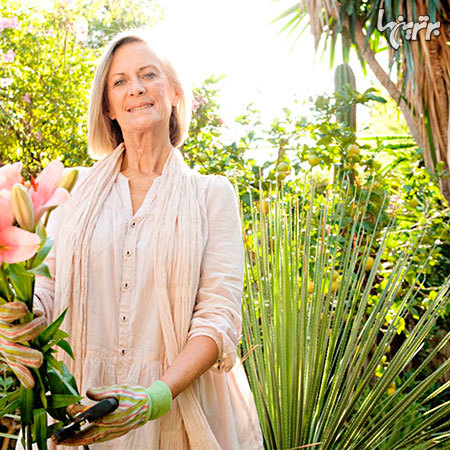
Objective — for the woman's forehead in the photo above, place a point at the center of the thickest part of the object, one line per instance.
(135, 55)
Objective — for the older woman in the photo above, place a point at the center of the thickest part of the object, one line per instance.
(149, 259)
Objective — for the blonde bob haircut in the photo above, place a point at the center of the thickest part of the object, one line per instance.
(104, 134)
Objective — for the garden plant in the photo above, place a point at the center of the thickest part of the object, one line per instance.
(345, 308)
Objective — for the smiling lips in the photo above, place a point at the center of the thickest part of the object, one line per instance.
(140, 106)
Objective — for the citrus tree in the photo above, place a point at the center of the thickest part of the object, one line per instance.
(418, 76)
(48, 62)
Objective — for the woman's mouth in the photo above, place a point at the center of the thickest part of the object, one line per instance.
(140, 107)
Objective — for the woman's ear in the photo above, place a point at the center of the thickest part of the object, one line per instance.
(175, 100)
(110, 115)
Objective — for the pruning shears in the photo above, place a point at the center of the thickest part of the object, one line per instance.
(83, 420)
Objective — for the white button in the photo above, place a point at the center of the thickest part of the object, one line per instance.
(122, 352)
(128, 253)
(126, 285)
(124, 318)
(132, 224)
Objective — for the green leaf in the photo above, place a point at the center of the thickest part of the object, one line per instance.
(43, 252)
(40, 428)
(62, 381)
(50, 331)
(26, 405)
(40, 388)
(21, 281)
(376, 98)
(10, 403)
(9, 436)
(41, 232)
(66, 347)
(8, 399)
(58, 336)
(42, 269)
(62, 400)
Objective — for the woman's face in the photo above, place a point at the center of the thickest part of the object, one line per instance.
(139, 93)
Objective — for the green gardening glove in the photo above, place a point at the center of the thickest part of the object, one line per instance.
(136, 407)
(12, 337)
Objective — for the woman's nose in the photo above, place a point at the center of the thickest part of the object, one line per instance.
(137, 88)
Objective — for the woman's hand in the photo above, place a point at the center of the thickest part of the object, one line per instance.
(136, 407)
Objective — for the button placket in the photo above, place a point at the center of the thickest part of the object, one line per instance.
(125, 297)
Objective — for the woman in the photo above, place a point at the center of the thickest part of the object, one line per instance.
(149, 259)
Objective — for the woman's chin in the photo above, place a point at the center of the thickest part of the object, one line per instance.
(141, 126)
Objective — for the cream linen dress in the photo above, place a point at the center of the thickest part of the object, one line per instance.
(124, 337)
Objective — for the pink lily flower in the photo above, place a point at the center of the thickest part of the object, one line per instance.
(16, 245)
(10, 175)
(44, 192)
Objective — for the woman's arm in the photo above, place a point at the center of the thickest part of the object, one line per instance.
(197, 356)
(215, 325)
(217, 311)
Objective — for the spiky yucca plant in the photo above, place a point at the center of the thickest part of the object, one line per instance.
(311, 344)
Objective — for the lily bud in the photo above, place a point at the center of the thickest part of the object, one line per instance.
(22, 207)
(68, 180)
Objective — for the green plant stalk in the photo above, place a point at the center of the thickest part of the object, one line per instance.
(346, 356)
(5, 285)
(309, 334)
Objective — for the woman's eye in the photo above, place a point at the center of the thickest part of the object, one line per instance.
(118, 82)
(149, 75)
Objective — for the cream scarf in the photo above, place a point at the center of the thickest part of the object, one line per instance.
(178, 244)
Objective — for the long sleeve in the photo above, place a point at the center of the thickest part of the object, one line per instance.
(217, 312)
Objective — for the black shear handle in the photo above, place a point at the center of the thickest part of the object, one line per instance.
(100, 409)
(103, 407)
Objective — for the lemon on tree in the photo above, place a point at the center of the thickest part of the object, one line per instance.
(391, 389)
(335, 285)
(263, 206)
(313, 160)
(353, 151)
(202, 157)
(369, 264)
(283, 170)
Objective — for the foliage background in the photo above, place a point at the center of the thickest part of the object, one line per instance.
(48, 60)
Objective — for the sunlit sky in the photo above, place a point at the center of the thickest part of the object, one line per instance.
(235, 38)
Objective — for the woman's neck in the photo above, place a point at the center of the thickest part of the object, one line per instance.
(144, 155)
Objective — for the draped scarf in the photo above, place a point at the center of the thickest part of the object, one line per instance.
(178, 243)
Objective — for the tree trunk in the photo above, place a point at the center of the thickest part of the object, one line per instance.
(430, 98)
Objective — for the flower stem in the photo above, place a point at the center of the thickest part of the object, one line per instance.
(29, 438)
(47, 215)
(5, 286)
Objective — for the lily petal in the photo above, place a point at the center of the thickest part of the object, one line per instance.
(59, 196)
(17, 245)
(10, 175)
(46, 183)
(6, 215)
